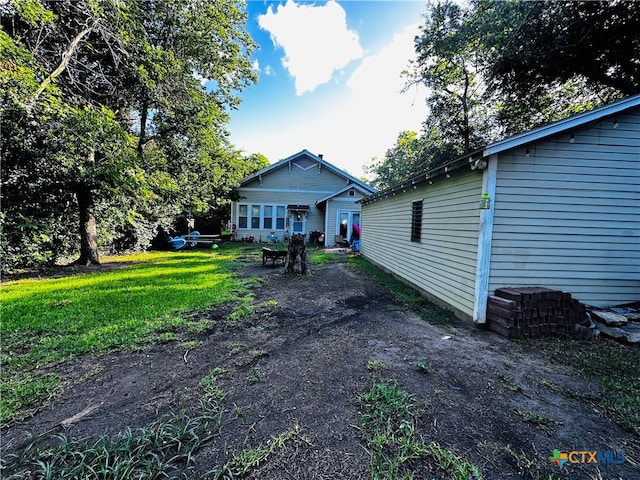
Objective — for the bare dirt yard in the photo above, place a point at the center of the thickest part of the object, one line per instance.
(291, 374)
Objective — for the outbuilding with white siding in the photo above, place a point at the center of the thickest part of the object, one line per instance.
(563, 212)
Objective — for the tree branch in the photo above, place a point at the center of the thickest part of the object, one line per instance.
(66, 58)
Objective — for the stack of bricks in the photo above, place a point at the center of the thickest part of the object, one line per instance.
(533, 312)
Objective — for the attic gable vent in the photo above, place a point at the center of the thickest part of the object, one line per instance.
(304, 163)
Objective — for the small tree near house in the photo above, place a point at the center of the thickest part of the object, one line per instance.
(296, 261)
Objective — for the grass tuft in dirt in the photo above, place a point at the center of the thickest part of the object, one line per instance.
(511, 383)
(423, 367)
(388, 418)
(540, 420)
(164, 449)
(245, 461)
(376, 365)
(209, 384)
(530, 468)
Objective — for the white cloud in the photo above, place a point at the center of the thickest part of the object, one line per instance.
(199, 78)
(351, 121)
(364, 124)
(315, 39)
(359, 123)
(378, 107)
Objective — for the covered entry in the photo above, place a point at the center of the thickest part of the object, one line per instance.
(298, 218)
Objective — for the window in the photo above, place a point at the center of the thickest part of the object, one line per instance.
(280, 212)
(255, 216)
(416, 221)
(242, 216)
(268, 217)
(351, 193)
(260, 216)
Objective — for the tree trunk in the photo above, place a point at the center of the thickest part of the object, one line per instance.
(144, 115)
(296, 255)
(88, 231)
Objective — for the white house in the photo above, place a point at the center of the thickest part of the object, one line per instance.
(563, 212)
(303, 194)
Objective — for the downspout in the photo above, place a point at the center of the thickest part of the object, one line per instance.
(326, 223)
(485, 235)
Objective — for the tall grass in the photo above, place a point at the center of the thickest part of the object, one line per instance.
(49, 321)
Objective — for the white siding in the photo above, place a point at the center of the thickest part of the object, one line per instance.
(568, 215)
(443, 263)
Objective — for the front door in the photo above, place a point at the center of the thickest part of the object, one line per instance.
(298, 223)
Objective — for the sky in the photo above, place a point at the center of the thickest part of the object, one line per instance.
(330, 80)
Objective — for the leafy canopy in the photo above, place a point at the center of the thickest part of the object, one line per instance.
(125, 103)
(496, 68)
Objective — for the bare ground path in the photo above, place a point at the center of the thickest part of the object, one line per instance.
(301, 358)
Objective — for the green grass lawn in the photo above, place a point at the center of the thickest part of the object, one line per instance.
(48, 321)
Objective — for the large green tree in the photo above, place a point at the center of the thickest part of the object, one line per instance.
(546, 60)
(107, 111)
(399, 162)
(449, 65)
(548, 42)
(496, 67)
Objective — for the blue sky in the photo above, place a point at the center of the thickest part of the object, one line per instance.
(329, 80)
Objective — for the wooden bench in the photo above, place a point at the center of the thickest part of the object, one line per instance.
(273, 255)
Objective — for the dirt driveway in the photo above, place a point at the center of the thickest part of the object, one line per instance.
(303, 357)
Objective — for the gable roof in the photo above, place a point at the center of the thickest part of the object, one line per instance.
(560, 126)
(367, 189)
(342, 190)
